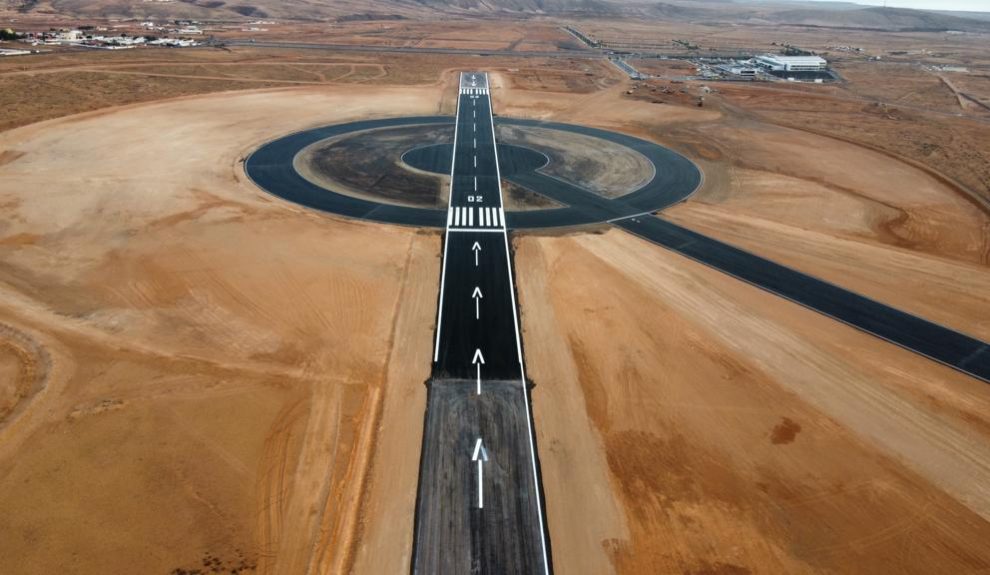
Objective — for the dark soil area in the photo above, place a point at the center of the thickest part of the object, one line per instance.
(517, 198)
(409, 165)
(369, 164)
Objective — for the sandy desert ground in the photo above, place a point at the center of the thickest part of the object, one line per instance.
(212, 365)
(727, 431)
(206, 376)
(690, 457)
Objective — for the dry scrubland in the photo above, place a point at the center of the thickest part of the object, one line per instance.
(53, 85)
(905, 46)
(519, 36)
(205, 375)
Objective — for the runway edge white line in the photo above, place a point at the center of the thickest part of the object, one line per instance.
(446, 237)
(515, 320)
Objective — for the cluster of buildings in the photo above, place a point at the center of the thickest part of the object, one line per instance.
(792, 68)
(180, 27)
(97, 38)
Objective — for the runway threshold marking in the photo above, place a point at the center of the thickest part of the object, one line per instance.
(475, 230)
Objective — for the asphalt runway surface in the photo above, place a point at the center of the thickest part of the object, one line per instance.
(473, 519)
(478, 504)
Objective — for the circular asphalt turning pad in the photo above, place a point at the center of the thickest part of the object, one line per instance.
(675, 177)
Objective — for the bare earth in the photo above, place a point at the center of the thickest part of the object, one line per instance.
(217, 363)
(728, 431)
(672, 402)
(198, 374)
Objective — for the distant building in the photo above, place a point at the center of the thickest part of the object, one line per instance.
(777, 63)
(71, 36)
(738, 70)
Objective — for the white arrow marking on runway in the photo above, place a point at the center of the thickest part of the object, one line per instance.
(478, 360)
(477, 302)
(481, 456)
(476, 248)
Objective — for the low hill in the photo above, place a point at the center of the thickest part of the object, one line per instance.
(877, 18)
(305, 9)
(819, 14)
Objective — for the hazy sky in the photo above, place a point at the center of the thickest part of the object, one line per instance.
(970, 5)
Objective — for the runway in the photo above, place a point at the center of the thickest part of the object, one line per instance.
(479, 507)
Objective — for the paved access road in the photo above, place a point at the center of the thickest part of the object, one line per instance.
(479, 507)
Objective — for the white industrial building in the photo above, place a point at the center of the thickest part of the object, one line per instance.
(776, 63)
